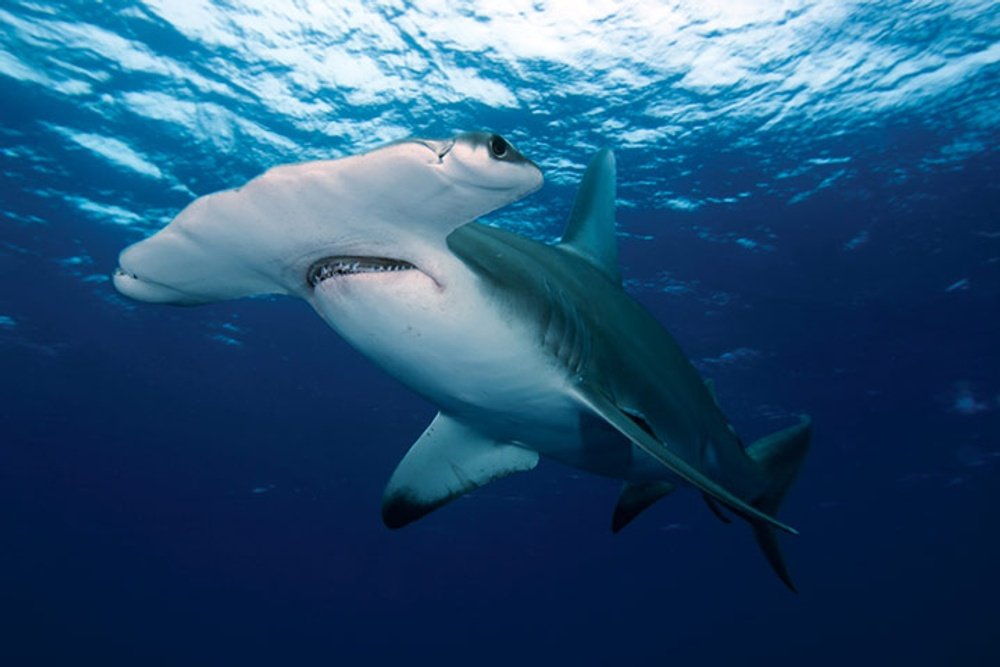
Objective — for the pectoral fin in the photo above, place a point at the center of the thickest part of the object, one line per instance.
(659, 451)
(635, 498)
(447, 461)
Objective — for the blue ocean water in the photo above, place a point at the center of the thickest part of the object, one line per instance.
(808, 200)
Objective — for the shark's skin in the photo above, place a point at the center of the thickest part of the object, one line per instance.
(528, 349)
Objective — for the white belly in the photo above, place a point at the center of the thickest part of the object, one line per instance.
(476, 361)
(450, 344)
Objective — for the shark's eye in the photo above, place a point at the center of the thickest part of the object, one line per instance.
(498, 146)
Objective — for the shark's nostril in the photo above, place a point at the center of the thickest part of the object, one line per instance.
(439, 147)
(446, 148)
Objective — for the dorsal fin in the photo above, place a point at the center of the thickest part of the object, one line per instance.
(590, 232)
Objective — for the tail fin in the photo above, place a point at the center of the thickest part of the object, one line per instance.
(780, 455)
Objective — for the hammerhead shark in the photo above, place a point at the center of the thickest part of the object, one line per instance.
(528, 349)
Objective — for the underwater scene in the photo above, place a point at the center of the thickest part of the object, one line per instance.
(499, 333)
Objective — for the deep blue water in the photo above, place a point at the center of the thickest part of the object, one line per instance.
(809, 201)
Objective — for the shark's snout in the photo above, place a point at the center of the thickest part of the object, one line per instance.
(134, 287)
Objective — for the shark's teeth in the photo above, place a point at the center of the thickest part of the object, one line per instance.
(332, 267)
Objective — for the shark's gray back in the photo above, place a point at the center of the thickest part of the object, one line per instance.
(605, 339)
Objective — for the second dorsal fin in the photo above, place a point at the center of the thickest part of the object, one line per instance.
(590, 232)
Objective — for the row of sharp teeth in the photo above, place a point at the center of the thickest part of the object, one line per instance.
(343, 268)
(357, 267)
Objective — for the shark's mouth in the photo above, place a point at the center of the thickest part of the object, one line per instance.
(349, 265)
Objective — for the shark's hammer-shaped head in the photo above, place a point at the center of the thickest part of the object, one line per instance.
(297, 225)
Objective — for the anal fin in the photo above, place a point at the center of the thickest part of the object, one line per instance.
(635, 498)
(447, 461)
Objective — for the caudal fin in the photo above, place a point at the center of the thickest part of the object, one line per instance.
(780, 455)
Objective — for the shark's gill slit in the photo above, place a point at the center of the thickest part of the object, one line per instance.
(640, 421)
(346, 265)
